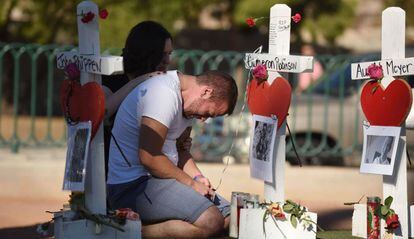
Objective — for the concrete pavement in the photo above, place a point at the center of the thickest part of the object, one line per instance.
(31, 183)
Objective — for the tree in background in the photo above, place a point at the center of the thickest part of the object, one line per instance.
(44, 21)
(407, 5)
(38, 21)
(325, 19)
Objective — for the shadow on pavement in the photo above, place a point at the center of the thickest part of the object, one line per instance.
(336, 219)
(20, 233)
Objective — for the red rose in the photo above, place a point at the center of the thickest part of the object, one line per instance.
(251, 22)
(72, 71)
(392, 222)
(375, 71)
(296, 18)
(126, 213)
(374, 235)
(88, 17)
(103, 14)
(260, 73)
(277, 211)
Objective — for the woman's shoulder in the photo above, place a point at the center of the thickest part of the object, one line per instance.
(114, 82)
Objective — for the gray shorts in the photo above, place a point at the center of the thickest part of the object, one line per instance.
(158, 200)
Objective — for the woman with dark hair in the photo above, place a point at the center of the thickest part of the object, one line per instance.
(146, 53)
(147, 50)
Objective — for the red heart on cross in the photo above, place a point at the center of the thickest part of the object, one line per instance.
(386, 107)
(267, 100)
(83, 103)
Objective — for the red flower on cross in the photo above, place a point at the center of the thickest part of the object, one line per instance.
(251, 22)
(297, 18)
(392, 222)
(260, 73)
(375, 71)
(89, 16)
(103, 13)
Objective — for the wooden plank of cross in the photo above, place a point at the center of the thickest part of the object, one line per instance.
(272, 98)
(394, 63)
(92, 66)
(277, 61)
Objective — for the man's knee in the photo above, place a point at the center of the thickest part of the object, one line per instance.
(210, 221)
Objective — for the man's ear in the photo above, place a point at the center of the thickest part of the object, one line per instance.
(207, 92)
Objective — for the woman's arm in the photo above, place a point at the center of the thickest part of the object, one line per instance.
(113, 100)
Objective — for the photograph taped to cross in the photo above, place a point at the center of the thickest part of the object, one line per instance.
(380, 149)
(262, 147)
(79, 137)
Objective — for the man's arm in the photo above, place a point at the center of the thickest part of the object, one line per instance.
(152, 137)
(186, 161)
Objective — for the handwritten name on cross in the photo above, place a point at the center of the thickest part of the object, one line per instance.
(91, 63)
(280, 63)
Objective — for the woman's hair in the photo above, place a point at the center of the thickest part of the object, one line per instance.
(144, 48)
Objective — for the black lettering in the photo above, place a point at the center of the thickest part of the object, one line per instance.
(360, 72)
(389, 65)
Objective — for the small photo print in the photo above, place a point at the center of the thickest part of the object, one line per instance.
(380, 149)
(262, 140)
(262, 146)
(76, 156)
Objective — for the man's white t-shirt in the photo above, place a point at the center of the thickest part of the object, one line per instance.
(158, 98)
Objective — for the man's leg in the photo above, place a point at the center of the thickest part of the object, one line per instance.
(210, 223)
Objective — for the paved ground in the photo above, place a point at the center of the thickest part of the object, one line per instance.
(31, 184)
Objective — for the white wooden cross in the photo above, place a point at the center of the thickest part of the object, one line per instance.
(277, 60)
(92, 66)
(393, 64)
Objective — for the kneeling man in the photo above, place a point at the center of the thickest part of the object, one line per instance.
(148, 174)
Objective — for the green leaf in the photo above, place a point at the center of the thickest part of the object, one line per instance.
(288, 208)
(388, 201)
(374, 89)
(384, 210)
(369, 218)
(293, 221)
(265, 216)
(290, 202)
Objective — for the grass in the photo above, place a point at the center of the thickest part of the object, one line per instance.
(335, 235)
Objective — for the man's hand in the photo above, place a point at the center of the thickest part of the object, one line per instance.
(203, 180)
(202, 189)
